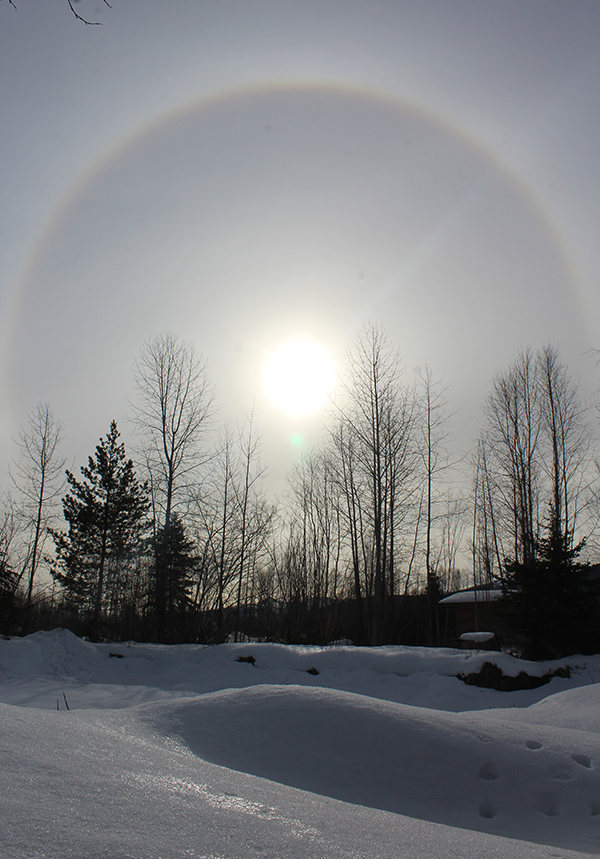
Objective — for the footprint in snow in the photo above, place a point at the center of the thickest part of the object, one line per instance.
(547, 802)
(561, 772)
(582, 760)
(489, 771)
(487, 809)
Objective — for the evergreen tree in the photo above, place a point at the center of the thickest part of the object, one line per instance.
(10, 524)
(107, 517)
(175, 563)
(551, 600)
(9, 581)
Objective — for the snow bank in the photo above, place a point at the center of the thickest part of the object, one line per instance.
(180, 751)
(443, 767)
(36, 670)
(102, 786)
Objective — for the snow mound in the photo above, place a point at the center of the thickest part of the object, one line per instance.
(50, 655)
(466, 772)
(36, 670)
(301, 753)
(577, 709)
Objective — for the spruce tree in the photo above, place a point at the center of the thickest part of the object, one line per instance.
(106, 514)
(9, 582)
(551, 600)
(175, 563)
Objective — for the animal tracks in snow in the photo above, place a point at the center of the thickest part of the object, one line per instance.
(547, 802)
(488, 771)
(562, 772)
(547, 798)
(487, 809)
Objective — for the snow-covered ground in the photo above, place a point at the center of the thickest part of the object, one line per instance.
(183, 751)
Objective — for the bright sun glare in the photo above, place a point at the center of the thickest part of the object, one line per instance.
(299, 376)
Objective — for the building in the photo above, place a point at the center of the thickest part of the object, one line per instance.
(474, 610)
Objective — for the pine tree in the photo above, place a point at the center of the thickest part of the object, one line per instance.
(551, 600)
(107, 517)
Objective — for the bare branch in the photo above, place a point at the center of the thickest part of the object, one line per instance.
(79, 17)
(83, 20)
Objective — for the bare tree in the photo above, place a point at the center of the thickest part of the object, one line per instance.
(350, 486)
(172, 412)
(435, 460)
(233, 519)
(377, 454)
(315, 538)
(534, 461)
(38, 476)
(487, 547)
(513, 412)
(568, 440)
(254, 515)
(452, 527)
(223, 548)
(595, 482)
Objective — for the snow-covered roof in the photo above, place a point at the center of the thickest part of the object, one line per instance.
(469, 596)
(477, 636)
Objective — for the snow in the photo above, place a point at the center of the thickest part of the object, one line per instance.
(477, 636)
(183, 751)
(468, 596)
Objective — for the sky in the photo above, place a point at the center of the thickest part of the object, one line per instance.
(245, 174)
(379, 753)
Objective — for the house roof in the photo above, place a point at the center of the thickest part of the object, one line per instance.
(472, 595)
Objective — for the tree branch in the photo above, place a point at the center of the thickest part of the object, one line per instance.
(79, 17)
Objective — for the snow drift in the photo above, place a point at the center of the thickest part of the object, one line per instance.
(184, 751)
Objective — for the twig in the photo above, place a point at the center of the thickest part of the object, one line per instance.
(84, 20)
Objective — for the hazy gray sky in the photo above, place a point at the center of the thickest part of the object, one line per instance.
(244, 172)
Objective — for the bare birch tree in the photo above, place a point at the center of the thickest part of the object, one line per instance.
(513, 412)
(315, 538)
(534, 463)
(39, 478)
(255, 516)
(488, 550)
(378, 452)
(233, 520)
(568, 442)
(172, 411)
(435, 461)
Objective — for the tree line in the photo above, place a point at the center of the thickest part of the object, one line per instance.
(179, 542)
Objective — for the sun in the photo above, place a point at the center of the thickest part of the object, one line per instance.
(299, 376)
